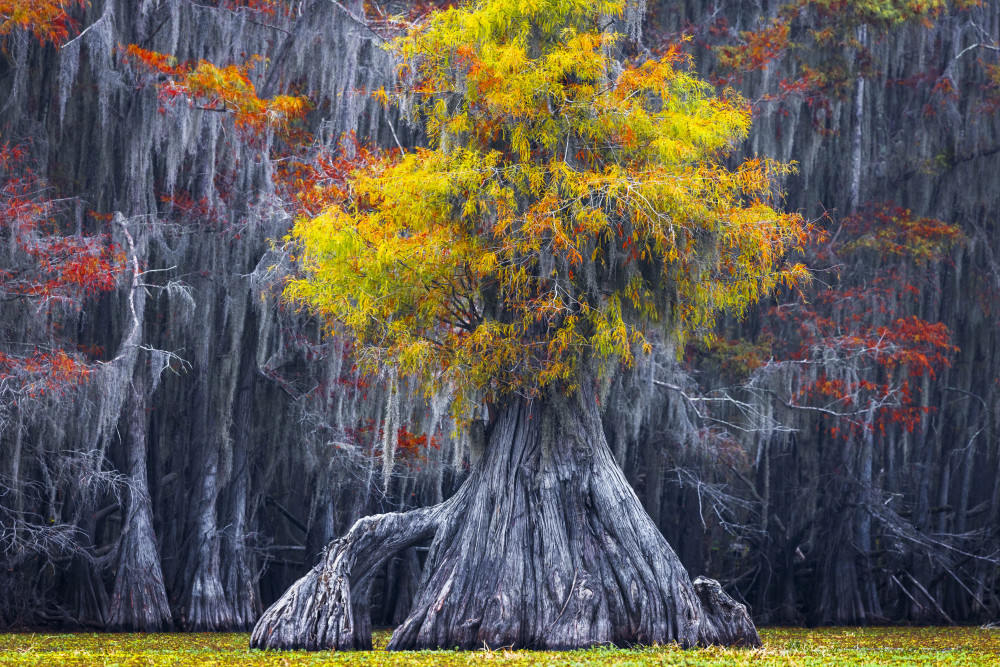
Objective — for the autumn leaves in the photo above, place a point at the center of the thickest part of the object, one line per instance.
(568, 205)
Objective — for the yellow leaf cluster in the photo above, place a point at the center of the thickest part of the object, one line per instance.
(568, 204)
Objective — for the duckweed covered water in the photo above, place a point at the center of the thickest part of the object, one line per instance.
(847, 647)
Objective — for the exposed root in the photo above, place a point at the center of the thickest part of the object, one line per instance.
(724, 621)
(328, 608)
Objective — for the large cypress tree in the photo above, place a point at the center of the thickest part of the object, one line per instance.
(571, 206)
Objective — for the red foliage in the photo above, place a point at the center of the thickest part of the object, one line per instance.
(182, 208)
(875, 353)
(313, 180)
(62, 267)
(411, 448)
(44, 267)
(41, 373)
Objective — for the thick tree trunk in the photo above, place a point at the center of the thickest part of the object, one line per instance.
(545, 546)
(207, 608)
(139, 601)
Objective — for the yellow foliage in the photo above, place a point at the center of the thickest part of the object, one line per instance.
(568, 204)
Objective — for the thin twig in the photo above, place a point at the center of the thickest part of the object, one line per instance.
(85, 30)
(268, 25)
(979, 45)
(393, 129)
(931, 598)
(903, 588)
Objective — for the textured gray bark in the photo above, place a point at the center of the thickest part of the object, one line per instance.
(237, 560)
(139, 601)
(328, 608)
(206, 605)
(725, 622)
(207, 608)
(545, 546)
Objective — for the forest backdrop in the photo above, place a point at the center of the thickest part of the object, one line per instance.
(177, 445)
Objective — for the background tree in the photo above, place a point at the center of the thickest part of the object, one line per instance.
(183, 148)
(849, 121)
(567, 206)
(48, 275)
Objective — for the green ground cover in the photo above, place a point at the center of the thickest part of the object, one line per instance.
(782, 646)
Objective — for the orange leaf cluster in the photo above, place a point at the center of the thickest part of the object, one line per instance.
(47, 20)
(315, 180)
(411, 449)
(756, 50)
(227, 89)
(886, 229)
(42, 373)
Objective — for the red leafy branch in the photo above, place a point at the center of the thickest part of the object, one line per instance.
(41, 268)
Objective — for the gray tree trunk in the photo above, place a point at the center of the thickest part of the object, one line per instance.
(139, 601)
(545, 546)
(238, 564)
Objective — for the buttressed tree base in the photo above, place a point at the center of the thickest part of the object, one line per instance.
(545, 546)
(571, 206)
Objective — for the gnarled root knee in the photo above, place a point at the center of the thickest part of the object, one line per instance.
(724, 621)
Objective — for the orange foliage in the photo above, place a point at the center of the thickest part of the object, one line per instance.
(887, 229)
(438, 258)
(828, 44)
(733, 360)
(315, 180)
(756, 50)
(991, 89)
(227, 89)
(47, 20)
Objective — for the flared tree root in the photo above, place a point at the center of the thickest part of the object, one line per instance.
(545, 546)
(329, 607)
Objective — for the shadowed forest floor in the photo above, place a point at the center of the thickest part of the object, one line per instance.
(966, 646)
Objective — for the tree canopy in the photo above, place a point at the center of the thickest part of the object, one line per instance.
(569, 204)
